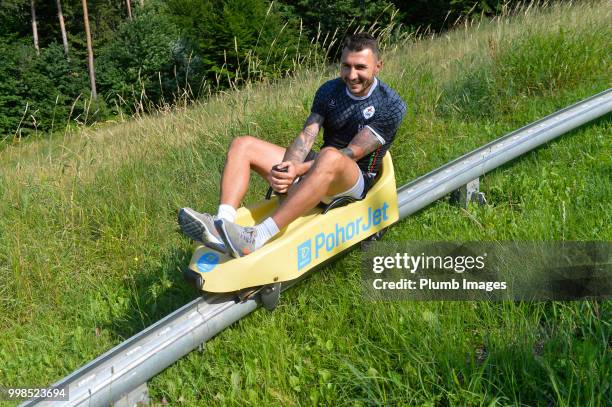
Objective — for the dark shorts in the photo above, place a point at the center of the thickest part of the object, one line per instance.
(368, 178)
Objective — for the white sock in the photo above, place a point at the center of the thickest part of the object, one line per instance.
(227, 212)
(266, 230)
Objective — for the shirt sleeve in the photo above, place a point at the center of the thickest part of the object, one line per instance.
(385, 125)
(319, 104)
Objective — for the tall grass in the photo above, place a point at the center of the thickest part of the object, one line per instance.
(90, 254)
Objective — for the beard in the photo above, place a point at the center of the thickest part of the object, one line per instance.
(358, 86)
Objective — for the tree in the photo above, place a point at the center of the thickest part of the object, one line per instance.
(15, 18)
(128, 3)
(146, 63)
(439, 15)
(90, 57)
(238, 39)
(324, 18)
(34, 28)
(60, 16)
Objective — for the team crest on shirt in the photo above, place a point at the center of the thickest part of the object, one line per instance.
(332, 104)
(368, 112)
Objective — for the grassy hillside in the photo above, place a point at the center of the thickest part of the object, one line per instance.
(90, 253)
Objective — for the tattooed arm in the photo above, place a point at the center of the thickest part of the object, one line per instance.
(298, 150)
(281, 176)
(362, 144)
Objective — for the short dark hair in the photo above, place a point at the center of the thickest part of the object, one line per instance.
(359, 42)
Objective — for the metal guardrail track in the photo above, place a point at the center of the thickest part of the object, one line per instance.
(124, 368)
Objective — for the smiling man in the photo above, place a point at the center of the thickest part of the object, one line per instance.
(360, 116)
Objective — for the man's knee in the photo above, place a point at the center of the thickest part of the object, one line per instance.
(241, 142)
(329, 158)
(241, 145)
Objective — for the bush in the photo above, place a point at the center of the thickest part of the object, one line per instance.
(322, 17)
(10, 89)
(238, 39)
(145, 63)
(39, 89)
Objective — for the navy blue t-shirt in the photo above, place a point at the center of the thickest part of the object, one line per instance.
(382, 111)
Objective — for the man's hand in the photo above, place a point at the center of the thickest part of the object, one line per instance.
(282, 176)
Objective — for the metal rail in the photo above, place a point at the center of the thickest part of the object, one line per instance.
(129, 365)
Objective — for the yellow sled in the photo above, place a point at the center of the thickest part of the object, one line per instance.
(307, 242)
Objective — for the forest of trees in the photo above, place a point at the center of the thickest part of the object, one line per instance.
(79, 60)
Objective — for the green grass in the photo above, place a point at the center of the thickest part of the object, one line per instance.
(90, 254)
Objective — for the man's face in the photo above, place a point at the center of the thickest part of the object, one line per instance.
(357, 70)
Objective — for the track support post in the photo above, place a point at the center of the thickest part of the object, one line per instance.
(469, 192)
(137, 397)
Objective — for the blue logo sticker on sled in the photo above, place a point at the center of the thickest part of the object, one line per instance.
(207, 262)
(304, 252)
(340, 235)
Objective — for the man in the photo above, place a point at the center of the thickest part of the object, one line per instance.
(360, 115)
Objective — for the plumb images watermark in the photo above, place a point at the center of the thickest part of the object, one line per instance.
(25, 393)
(429, 284)
(419, 263)
(487, 270)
